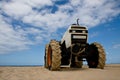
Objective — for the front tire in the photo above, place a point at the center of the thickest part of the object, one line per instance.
(96, 56)
(54, 55)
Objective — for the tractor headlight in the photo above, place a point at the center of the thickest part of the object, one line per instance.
(83, 31)
(72, 31)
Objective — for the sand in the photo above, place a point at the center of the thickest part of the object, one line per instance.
(110, 72)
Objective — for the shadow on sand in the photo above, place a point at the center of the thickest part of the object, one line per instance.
(73, 69)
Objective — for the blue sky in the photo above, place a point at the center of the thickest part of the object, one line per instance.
(26, 26)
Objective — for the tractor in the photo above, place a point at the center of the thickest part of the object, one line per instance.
(73, 49)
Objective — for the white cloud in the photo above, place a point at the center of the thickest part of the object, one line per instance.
(44, 22)
(16, 9)
(91, 13)
(41, 2)
(51, 21)
(94, 3)
(116, 46)
(94, 34)
(11, 40)
(35, 3)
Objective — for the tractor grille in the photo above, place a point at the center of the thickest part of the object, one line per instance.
(82, 41)
(78, 38)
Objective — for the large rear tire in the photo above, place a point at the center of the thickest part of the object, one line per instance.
(54, 55)
(96, 56)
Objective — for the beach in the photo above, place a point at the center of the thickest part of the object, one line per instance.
(110, 72)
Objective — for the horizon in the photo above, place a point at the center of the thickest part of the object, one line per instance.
(42, 65)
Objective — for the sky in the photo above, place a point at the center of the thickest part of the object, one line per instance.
(26, 26)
